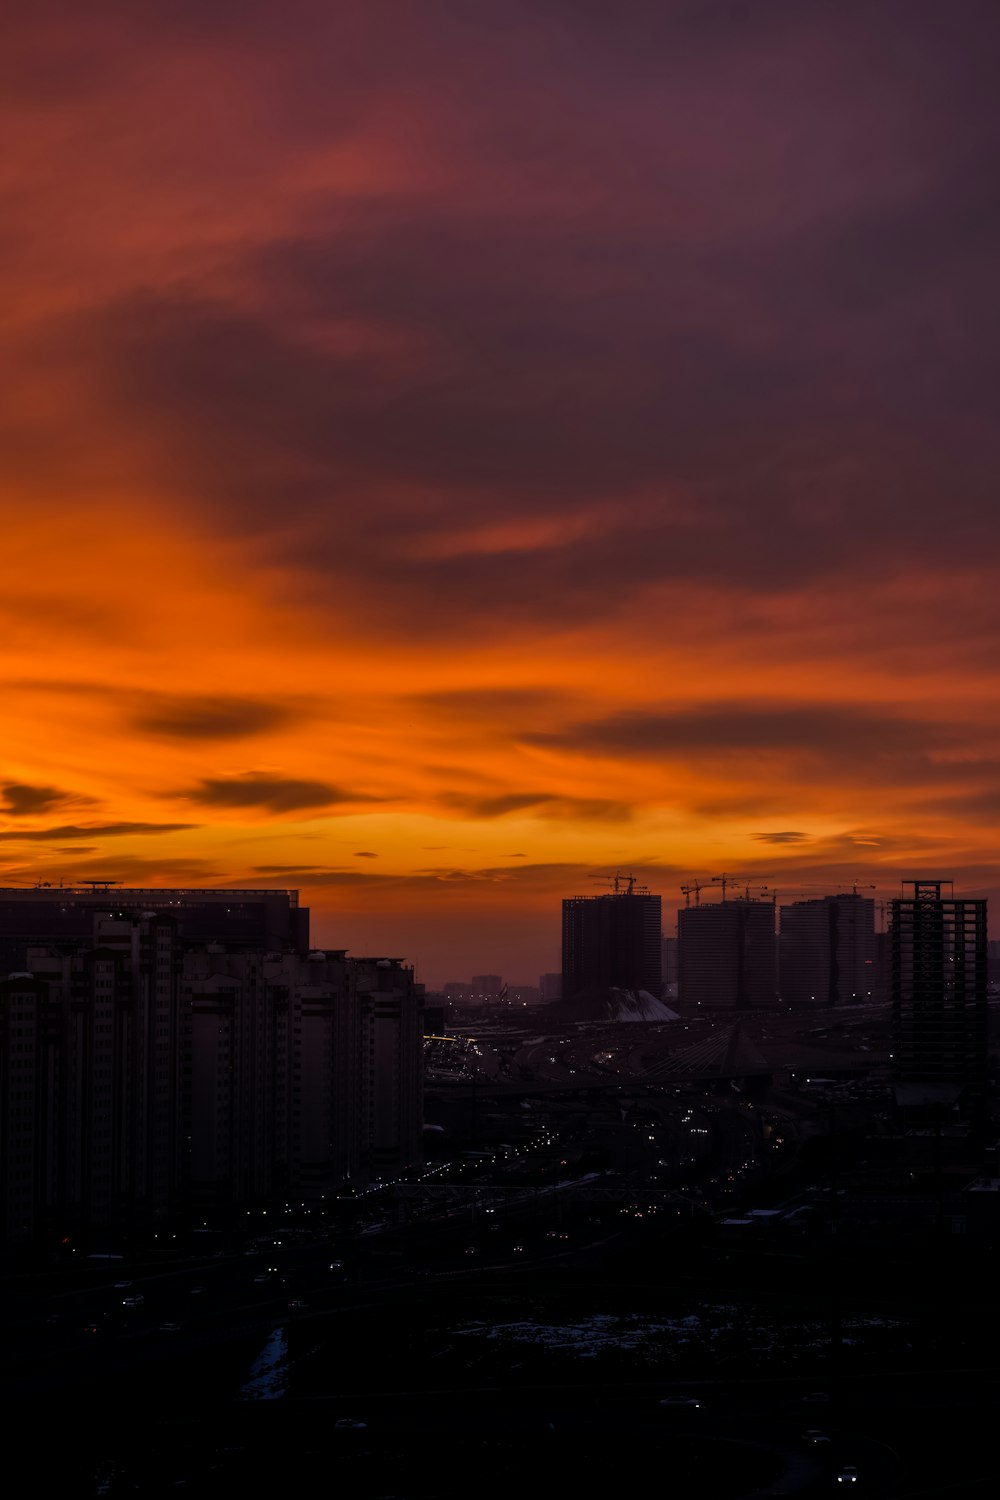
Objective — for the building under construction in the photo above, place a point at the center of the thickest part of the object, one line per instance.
(726, 955)
(939, 987)
(612, 941)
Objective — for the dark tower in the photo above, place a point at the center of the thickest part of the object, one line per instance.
(939, 1013)
(612, 941)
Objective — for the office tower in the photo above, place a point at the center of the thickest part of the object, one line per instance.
(939, 952)
(826, 951)
(726, 955)
(611, 941)
(40, 916)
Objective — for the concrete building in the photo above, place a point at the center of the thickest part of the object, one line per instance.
(826, 951)
(939, 1014)
(612, 941)
(726, 956)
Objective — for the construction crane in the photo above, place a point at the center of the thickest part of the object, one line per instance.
(622, 885)
(686, 890)
(726, 879)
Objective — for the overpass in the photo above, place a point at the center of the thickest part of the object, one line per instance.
(723, 1058)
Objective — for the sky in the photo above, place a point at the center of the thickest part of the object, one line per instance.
(452, 453)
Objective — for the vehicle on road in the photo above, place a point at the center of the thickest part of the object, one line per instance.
(136, 1301)
(816, 1397)
(678, 1402)
(848, 1475)
(813, 1435)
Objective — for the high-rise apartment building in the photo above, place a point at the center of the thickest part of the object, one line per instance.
(40, 916)
(28, 1118)
(826, 950)
(142, 1075)
(939, 951)
(726, 955)
(611, 941)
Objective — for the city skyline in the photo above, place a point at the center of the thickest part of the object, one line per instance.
(449, 460)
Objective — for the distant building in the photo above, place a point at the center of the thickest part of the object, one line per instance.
(826, 951)
(993, 961)
(939, 1014)
(726, 955)
(668, 950)
(550, 987)
(486, 989)
(611, 941)
(524, 994)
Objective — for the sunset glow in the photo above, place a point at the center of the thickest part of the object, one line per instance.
(451, 454)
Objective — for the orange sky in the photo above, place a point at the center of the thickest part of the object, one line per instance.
(449, 459)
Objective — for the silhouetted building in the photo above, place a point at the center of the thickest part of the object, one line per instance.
(939, 1014)
(726, 955)
(550, 987)
(611, 941)
(109, 1045)
(993, 962)
(668, 951)
(142, 1075)
(40, 916)
(28, 1119)
(827, 950)
(381, 1055)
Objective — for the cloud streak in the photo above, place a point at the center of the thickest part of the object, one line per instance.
(543, 426)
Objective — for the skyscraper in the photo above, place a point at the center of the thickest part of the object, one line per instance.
(939, 1015)
(612, 941)
(726, 955)
(827, 950)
